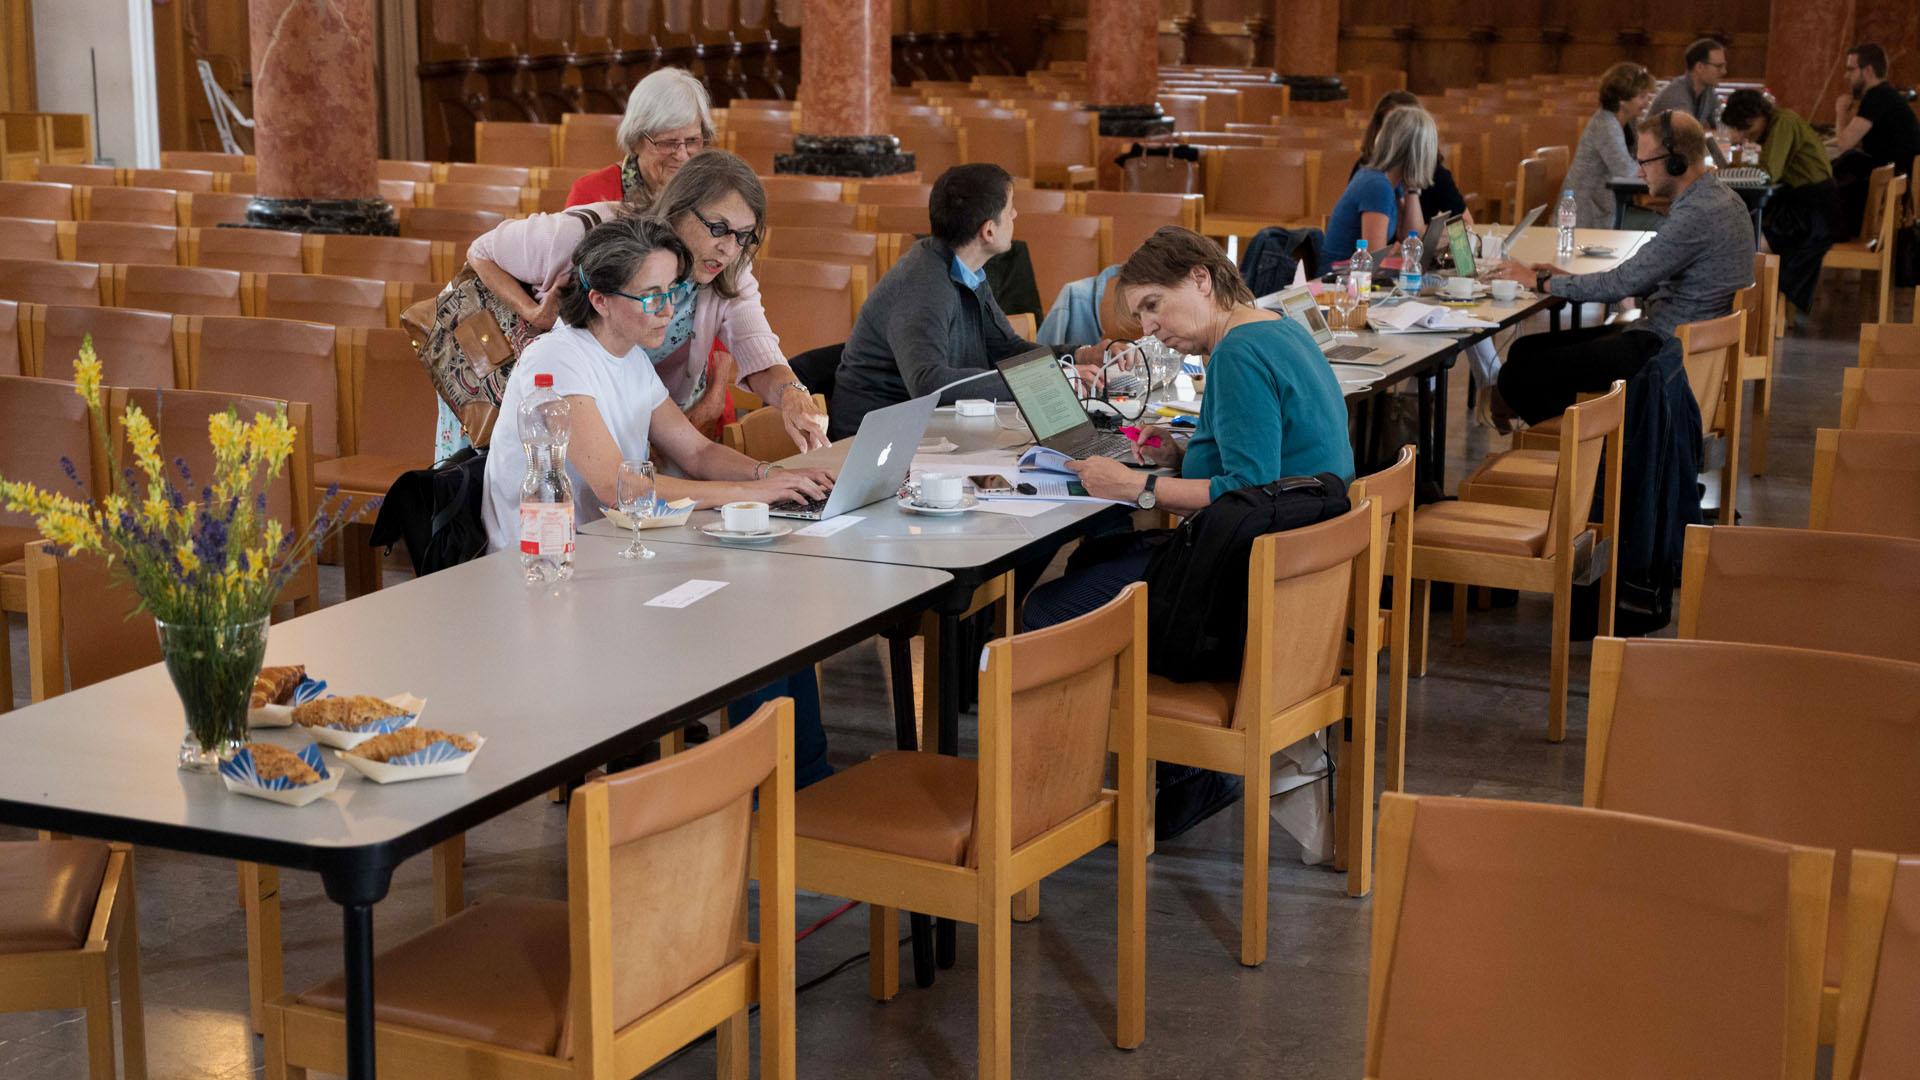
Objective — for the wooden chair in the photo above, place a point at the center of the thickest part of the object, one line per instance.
(457, 227)
(810, 304)
(276, 358)
(142, 206)
(873, 251)
(212, 210)
(762, 434)
(248, 184)
(1250, 188)
(959, 839)
(390, 408)
(907, 221)
(588, 141)
(171, 179)
(83, 626)
(565, 176)
(759, 147)
(467, 172)
(1846, 592)
(647, 953)
(75, 924)
(259, 251)
(1756, 354)
(1064, 248)
(136, 348)
(210, 161)
(1534, 550)
(1529, 186)
(418, 172)
(406, 193)
(1024, 325)
(1189, 111)
(1136, 214)
(32, 199)
(1867, 482)
(69, 137)
(1514, 938)
(1804, 724)
(1066, 146)
(1874, 250)
(805, 188)
(1033, 200)
(20, 149)
(499, 143)
(1711, 351)
(935, 147)
(15, 358)
(41, 281)
(881, 193)
(78, 175)
(811, 213)
(1890, 344)
(1391, 489)
(181, 290)
(1880, 399)
(342, 301)
(1259, 102)
(385, 258)
(1878, 990)
(124, 242)
(1305, 588)
(33, 238)
(502, 199)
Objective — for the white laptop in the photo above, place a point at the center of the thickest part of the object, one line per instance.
(1533, 215)
(876, 464)
(1299, 303)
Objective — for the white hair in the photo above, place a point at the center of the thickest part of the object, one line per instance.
(667, 99)
(1409, 139)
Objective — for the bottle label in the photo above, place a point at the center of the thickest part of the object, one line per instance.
(546, 528)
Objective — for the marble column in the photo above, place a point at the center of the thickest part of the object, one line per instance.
(1123, 68)
(1306, 37)
(846, 74)
(315, 124)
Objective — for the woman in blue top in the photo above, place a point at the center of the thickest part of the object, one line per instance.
(1382, 202)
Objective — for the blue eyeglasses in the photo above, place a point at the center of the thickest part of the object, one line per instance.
(654, 302)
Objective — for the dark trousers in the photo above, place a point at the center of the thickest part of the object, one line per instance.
(1800, 225)
(809, 736)
(1852, 173)
(1545, 373)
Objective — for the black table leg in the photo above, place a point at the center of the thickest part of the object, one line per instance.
(944, 929)
(1424, 465)
(1438, 473)
(900, 660)
(1620, 200)
(356, 893)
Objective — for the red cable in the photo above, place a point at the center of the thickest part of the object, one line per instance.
(836, 913)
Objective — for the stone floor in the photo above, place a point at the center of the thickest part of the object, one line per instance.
(1476, 727)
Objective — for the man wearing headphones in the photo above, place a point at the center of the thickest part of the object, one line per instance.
(1686, 272)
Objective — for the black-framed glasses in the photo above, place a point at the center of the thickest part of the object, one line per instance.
(1650, 160)
(655, 302)
(677, 146)
(746, 238)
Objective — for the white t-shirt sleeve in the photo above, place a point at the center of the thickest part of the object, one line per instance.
(558, 353)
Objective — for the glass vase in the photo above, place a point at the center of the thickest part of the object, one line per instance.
(213, 668)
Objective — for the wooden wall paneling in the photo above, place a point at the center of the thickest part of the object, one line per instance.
(18, 92)
(453, 90)
(504, 62)
(637, 40)
(216, 31)
(549, 49)
(589, 79)
(396, 63)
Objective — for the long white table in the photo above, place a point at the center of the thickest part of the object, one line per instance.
(558, 680)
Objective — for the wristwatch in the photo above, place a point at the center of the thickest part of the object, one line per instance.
(797, 385)
(1540, 282)
(1147, 499)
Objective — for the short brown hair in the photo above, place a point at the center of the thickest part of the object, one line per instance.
(1689, 138)
(1622, 83)
(1702, 50)
(1872, 57)
(1168, 258)
(708, 177)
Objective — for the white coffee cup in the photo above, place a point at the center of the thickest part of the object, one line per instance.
(940, 490)
(744, 517)
(1460, 288)
(1505, 289)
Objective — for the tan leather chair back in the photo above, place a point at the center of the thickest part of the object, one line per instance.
(1529, 186)
(882, 194)
(1815, 590)
(1189, 111)
(500, 198)
(1039, 201)
(1708, 348)
(13, 343)
(223, 208)
(100, 635)
(862, 249)
(1523, 939)
(394, 399)
(678, 833)
(32, 199)
(1880, 399)
(1810, 747)
(1889, 1041)
(207, 160)
(909, 220)
(467, 172)
(180, 417)
(416, 172)
(935, 147)
(1261, 102)
(342, 301)
(805, 188)
(199, 181)
(1303, 604)
(761, 435)
(759, 147)
(812, 213)
(30, 238)
(1064, 248)
(1598, 418)
(124, 242)
(1064, 137)
(41, 281)
(182, 290)
(136, 348)
(1136, 214)
(142, 206)
(1890, 345)
(1391, 490)
(1262, 182)
(261, 251)
(384, 258)
(277, 359)
(1867, 482)
(457, 227)
(43, 421)
(589, 140)
(500, 143)
(77, 175)
(809, 304)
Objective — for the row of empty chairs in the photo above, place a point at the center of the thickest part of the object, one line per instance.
(391, 258)
(192, 290)
(64, 201)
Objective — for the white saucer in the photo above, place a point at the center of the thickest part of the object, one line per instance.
(718, 532)
(966, 503)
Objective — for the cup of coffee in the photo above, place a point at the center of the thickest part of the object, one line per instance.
(1460, 288)
(744, 517)
(1505, 289)
(940, 490)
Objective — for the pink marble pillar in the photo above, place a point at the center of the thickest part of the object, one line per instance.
(1123, 51)
(846, 76)
(315, 125)
(1306, 37)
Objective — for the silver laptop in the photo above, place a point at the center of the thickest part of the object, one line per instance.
(1299, 303)
(876, 464)
(1432, 241)
(1054, 412)
(1520, 230)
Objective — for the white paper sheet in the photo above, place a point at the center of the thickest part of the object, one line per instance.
(830, 526)
(1017, 507)
(685, 593)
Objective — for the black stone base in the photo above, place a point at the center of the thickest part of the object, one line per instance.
(359, 217)
(863, 156)
(1133, 121)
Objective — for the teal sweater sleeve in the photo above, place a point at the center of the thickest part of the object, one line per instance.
(1272, 409)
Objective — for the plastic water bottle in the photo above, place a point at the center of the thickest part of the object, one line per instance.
(1360, 278)
(1564, 218)
(1410, 255)
(546, 494)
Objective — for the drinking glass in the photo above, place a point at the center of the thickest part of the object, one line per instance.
(1344, 301)
(636, 483)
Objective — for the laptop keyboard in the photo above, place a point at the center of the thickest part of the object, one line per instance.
(792, 506)
(1348, 352)
(1110, 444)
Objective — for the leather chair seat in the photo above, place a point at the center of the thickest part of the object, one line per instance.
(1470, 526)
(13, 546)
(1532, 469)
(363, 473)
(47, 893)
(1209, 703)
(900, 802)
(495, 973)
(1549, 426)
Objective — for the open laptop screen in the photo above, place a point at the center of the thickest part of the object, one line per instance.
(1462, 246)
(1300, 303)
(1046, 398)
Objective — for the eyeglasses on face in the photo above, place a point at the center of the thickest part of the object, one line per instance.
(670, 147)
(1650, 160)
(746, 238)
(655, 302)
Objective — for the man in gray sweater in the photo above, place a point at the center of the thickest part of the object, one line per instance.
(932, 320)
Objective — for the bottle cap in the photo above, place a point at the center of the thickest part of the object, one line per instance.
(543, 380)
(1360, 245)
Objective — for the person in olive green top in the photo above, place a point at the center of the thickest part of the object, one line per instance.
(1800, 222)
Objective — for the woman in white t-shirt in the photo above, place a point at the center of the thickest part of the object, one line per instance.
(618, 301)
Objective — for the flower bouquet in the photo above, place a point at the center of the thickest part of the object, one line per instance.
(207, 563)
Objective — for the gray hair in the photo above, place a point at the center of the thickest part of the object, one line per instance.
(667, 99)
(608, 257)
(1409, 141)
(706, 178)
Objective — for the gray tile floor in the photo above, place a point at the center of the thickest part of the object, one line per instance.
(1477, 726)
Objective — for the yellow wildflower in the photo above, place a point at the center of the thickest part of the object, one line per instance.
(189, 562)
(86, 373)
(144, 440)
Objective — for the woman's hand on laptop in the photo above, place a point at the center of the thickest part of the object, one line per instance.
(1514, 270)
(797, 485)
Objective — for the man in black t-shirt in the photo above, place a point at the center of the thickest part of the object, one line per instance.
(1875, 127)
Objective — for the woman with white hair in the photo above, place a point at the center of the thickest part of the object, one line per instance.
(1382, 202)
(666, 123)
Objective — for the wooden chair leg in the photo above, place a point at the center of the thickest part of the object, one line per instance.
(1026, 903)
(1461, 598)
(359, 560)
(265, 976)
(6, 664)
(97, 999)
(133, 1020)
(1562, 632)
(449, 877)
(1340, 750)
(1255, 798)
(1356, 804)
(996, 985)
(1762, 412)
(276, 1053)
(1394, 754)
(1419, 614)
(732, 1051)
(883, 952)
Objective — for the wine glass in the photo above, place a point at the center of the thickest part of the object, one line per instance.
(636, 485)
(1344, 301)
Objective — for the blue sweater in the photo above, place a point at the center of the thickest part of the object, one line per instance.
(1368, 192)
(1272, 409)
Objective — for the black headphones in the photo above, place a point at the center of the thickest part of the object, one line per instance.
(1675, 162)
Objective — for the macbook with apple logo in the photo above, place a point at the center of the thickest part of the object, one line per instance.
(876, 464)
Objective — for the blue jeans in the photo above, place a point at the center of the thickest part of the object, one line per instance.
(809, 735)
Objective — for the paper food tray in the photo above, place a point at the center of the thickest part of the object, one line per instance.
(436, 759)
(282, 715)
(341, 739)
(666, 515)
(238, 774)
